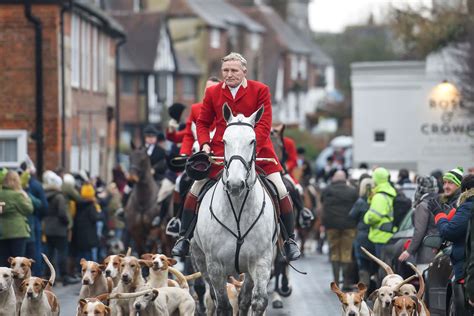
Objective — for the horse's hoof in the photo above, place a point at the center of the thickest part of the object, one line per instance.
(285, 292)
(277, 304)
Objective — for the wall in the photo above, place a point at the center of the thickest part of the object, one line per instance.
(394, 97)
(17, 82)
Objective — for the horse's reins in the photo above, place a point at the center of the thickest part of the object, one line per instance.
(248, 167)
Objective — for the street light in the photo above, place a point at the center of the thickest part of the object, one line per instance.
(445, 96)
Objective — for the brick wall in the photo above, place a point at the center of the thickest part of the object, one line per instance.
(17, 80)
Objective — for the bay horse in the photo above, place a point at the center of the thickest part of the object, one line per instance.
(236, 228)
(142, 206)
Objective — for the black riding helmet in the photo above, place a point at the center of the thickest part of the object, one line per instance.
(198, 166)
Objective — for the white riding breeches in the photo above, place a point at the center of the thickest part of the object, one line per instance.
(275, 178)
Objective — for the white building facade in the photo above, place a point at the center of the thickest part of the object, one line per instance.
(396, 126)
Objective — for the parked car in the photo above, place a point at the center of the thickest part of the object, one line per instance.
(440, 297)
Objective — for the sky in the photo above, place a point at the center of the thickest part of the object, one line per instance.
(334, 15)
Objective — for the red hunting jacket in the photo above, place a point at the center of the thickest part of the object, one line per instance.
(292, 154)
(189, 134)
(250, 96)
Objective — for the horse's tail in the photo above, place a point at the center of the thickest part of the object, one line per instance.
(182, 281)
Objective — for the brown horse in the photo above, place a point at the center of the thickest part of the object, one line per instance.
(142, 207)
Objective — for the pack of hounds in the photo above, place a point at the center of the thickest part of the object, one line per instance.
(395, 296)
(114, 287)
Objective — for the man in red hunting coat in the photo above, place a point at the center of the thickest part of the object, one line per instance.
(243, 97)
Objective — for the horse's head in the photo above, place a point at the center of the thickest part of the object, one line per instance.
(239, 150)
(276, 135)
(139, 164)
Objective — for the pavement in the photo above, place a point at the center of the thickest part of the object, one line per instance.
(311, 294)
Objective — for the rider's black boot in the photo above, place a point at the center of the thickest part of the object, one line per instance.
(292, 251)
(305, 216)
(181, 248)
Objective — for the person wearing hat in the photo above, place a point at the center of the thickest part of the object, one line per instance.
(380, 214)
(452, 225)
(467, 201)
(423, 221)
(173, 133)
(156, 153)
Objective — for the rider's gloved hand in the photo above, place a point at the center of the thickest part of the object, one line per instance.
(206, 148)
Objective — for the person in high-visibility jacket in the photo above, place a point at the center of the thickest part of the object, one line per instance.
(380, 214)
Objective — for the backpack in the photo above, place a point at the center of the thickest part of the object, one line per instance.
(401, 206)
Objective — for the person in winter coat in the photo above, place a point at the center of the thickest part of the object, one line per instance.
(14, 227)
(56, 224)
(84, 235)
(467, 202)
(360, 207)
(423, 221)
(452, 226)
(337, 200)
(380, 213)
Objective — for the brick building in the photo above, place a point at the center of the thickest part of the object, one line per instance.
(57, 110)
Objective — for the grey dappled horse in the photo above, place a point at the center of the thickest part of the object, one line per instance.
(214, 245)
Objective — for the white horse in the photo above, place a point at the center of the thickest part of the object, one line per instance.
(237, 207)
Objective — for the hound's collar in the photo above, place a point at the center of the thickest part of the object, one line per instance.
(243, 84)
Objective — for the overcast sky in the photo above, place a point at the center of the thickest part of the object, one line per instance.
(334, 15)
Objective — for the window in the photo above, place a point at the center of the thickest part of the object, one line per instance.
(255, 41)
(303, 67)
(75, 55)
(13, 147)
(85, 56)
(137, 6)
(379, 136)
(103, 61)
(161, 86)
(294, 67)
(189, 87)
(215, 38)
(127, 84)
(95, 59)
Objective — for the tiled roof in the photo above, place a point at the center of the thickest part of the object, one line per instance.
(143, 33)
(187, 65)
(220, 14)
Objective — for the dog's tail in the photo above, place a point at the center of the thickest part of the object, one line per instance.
(193, 276)
(52, 278)
(129, 252)
(182, 281)
(385, 266)
(421, 290)
(125, 296)
(406, 281)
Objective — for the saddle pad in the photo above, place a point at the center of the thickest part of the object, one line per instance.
(206, 188)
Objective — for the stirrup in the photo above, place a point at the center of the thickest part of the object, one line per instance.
(173, 227)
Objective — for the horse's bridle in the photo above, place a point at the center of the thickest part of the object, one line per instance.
(247, 164)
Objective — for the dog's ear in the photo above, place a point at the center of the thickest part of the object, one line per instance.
(103, 297)
(417, 302)
(23, 285)
(145, 263)
(337, 290)
(44, 283)
(373, 295)
(171, 261)
(83, 261)
(82, 303)
(147, 256)
(362, 288)
(11, 260)
(31, 261)
(107, 310)
(102, 267)
(155, 294)
(121, 255)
